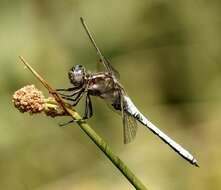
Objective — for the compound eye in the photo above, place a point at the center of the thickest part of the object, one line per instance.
(79, 67)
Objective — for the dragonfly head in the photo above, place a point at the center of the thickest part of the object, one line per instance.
(77, 75)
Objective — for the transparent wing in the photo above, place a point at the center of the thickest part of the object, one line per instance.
(130, 127)
(129, 122)
(113, 70)
(100, 67)
(102, 59)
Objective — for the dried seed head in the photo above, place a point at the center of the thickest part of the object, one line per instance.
(29, 99)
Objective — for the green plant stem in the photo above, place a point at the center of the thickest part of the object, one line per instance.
(107, 151)
(102, 145)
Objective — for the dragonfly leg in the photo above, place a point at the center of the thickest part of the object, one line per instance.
(66, 123)
(70, 95)
(68, 90)
(75, 99)
(78, 97)
(88, 108)
(67, 98)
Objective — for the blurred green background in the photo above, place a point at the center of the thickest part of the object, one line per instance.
(168, 54)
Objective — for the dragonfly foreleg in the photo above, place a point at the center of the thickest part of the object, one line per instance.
(67, 98)
(76, 91)
(67, 89)
(76, 99)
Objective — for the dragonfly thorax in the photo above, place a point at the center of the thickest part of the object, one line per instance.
(77, 75)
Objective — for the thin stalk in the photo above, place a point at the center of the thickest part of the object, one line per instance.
(105, 148)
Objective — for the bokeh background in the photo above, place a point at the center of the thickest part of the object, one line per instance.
(168, 54)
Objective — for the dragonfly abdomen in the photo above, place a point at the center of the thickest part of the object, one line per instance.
(131, 109)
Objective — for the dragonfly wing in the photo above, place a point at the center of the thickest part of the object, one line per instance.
(129, 122)
(110, 68)
(102, 59)
(129, 126)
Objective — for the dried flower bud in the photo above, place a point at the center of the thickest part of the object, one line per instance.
(29, 99)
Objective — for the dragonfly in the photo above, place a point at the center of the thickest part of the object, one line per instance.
(106, 86)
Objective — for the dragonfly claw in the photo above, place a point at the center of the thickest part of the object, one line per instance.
(66, 123)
